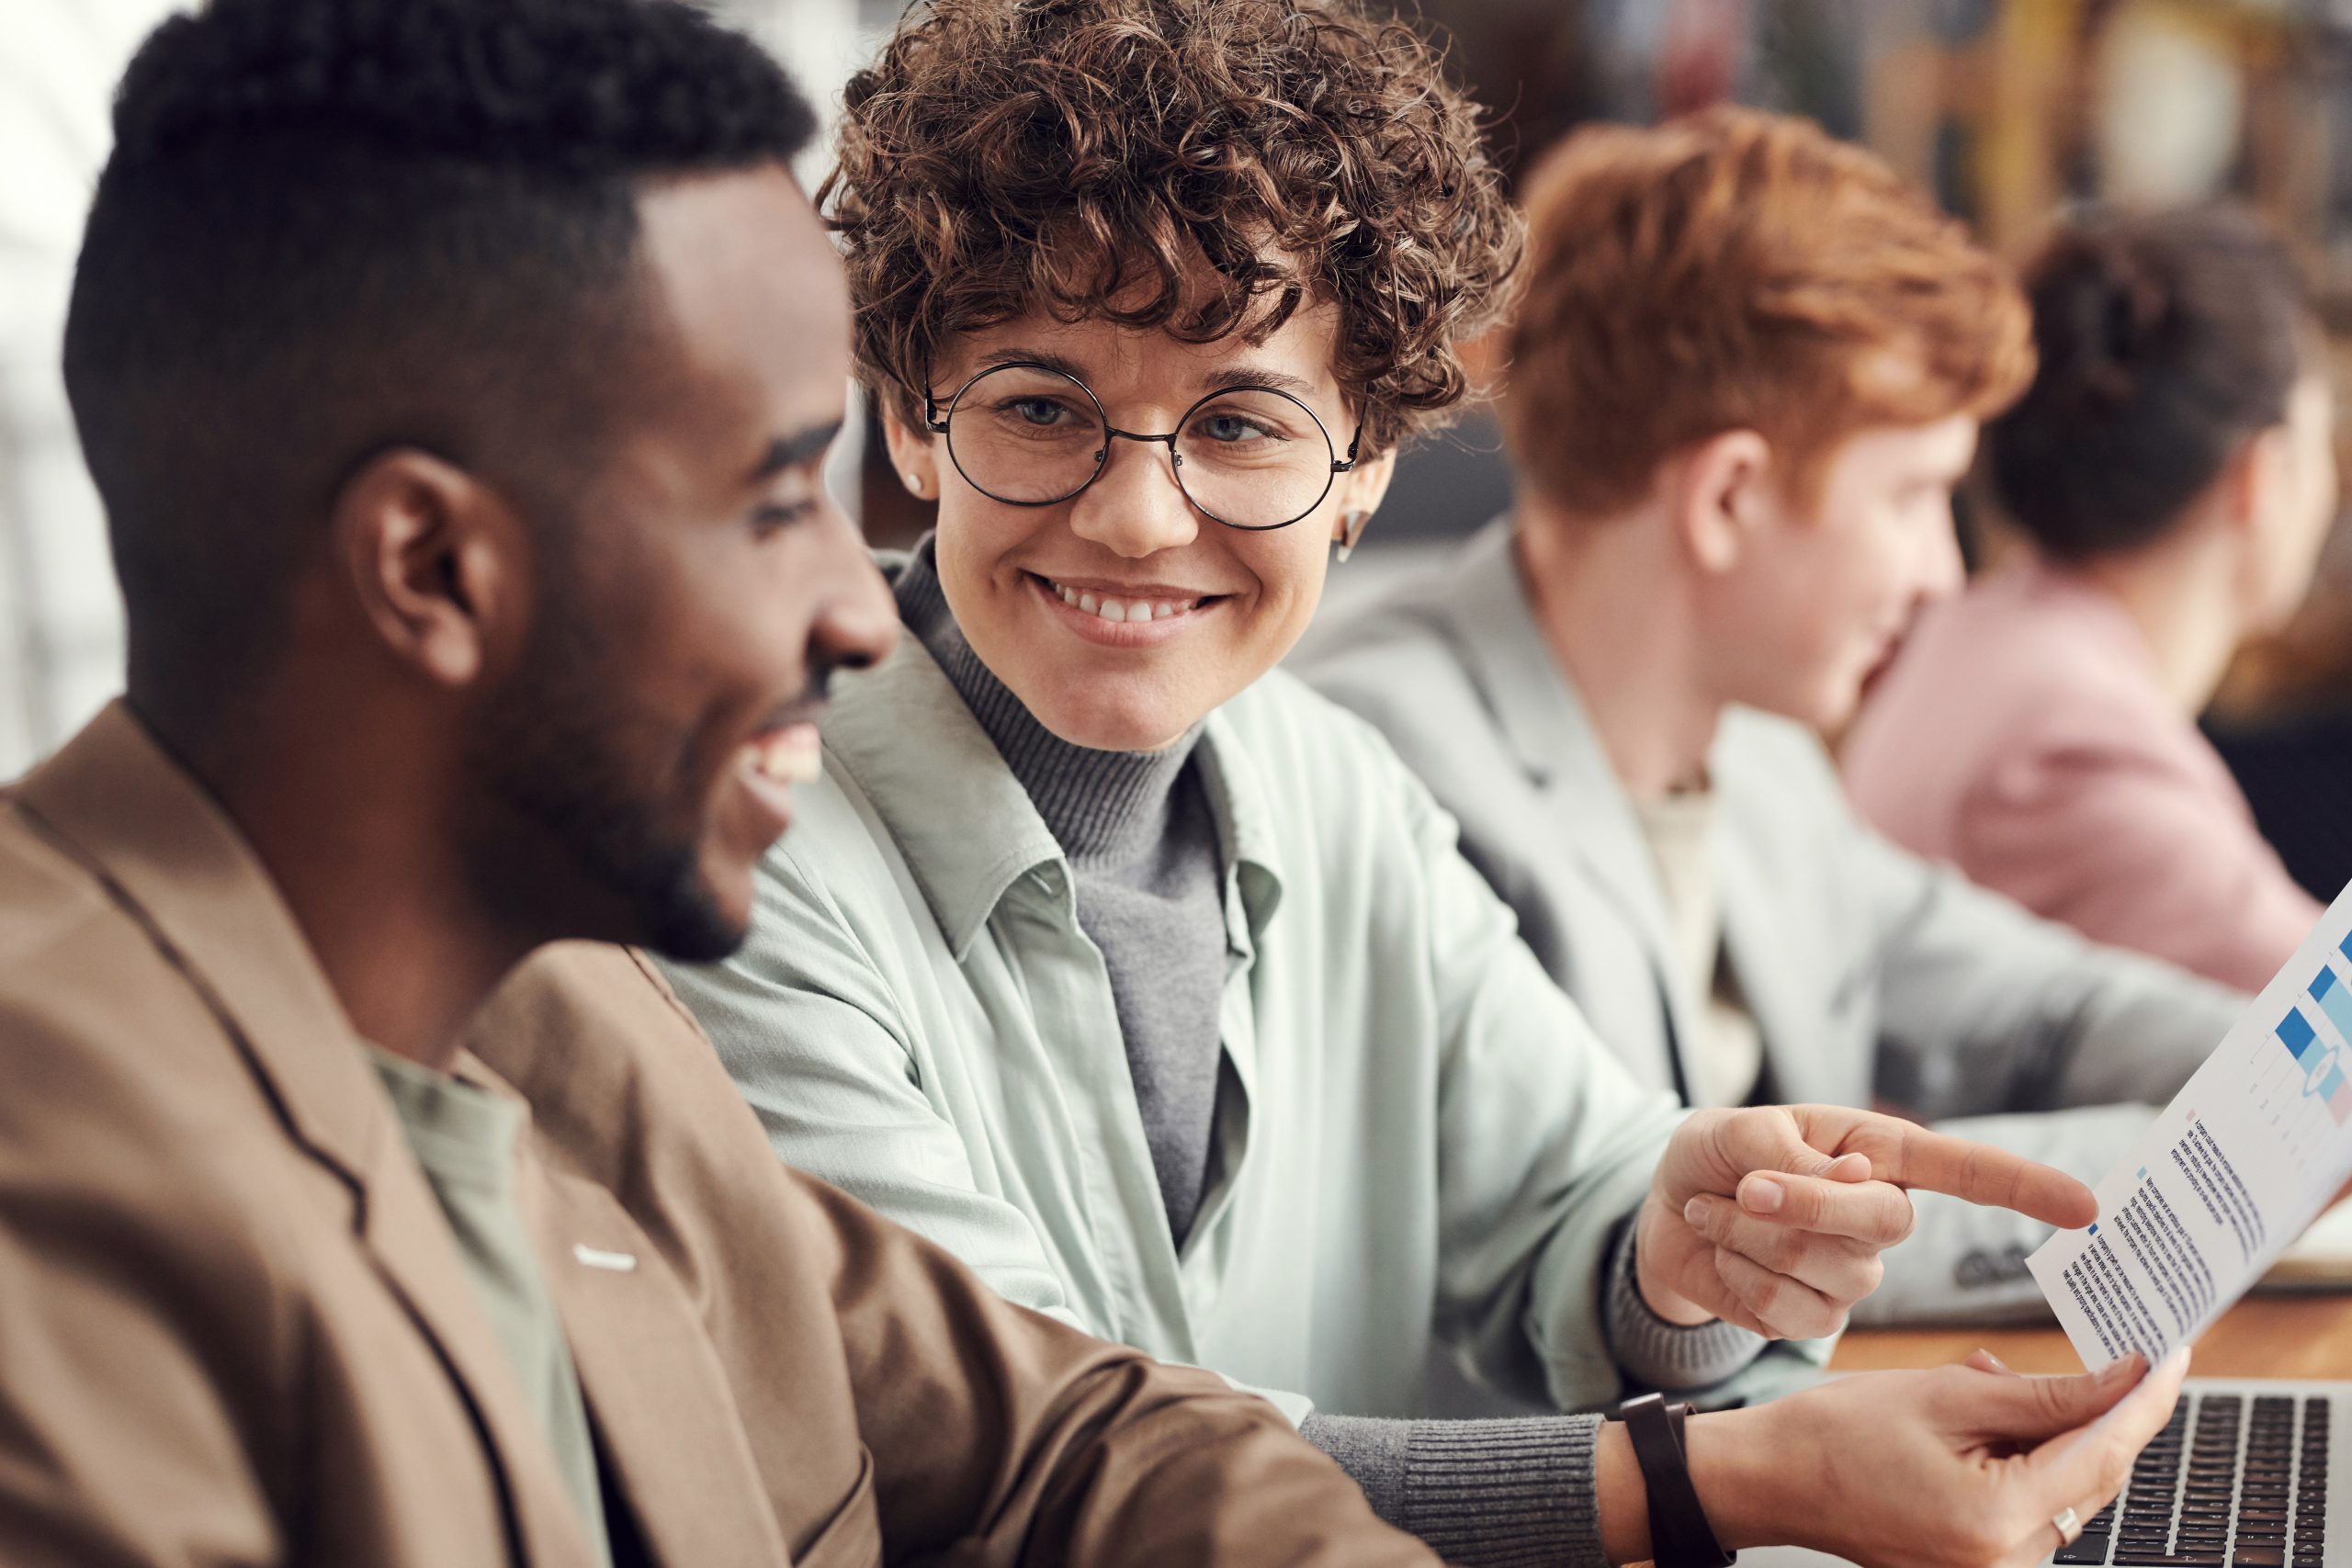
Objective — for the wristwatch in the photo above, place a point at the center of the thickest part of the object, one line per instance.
(1679, 1534)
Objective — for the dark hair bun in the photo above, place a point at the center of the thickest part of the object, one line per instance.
(2115, 308)
(2165, 340)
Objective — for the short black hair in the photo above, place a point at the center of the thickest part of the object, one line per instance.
(329, 227)
(2167, 339)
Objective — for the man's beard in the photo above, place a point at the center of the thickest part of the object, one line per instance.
(555, 748)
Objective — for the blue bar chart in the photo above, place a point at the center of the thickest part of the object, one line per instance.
(2322, 1062)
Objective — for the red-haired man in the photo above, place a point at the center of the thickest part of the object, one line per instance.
(1748, 370)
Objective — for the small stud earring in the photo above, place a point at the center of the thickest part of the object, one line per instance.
(1351, 532)
(914, 483)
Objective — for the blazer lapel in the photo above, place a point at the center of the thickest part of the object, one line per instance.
(1762, 941)
(176, 863)
(417, 1256)
(1486, 615)
(666, 1423)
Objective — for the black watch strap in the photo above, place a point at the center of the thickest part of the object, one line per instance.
(1679, 1534)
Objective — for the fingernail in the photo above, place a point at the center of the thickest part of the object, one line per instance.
(1699, 1211)
(1994, 1361)
(2122, 1367)
(1761, 1194)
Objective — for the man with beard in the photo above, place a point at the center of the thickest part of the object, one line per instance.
(455, 374)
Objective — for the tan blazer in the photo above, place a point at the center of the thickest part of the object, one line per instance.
(234, 1328)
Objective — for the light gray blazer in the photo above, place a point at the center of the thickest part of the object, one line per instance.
(1871, 973)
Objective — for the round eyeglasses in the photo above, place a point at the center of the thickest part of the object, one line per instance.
(1029, 434)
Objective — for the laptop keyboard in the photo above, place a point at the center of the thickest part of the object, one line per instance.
(2232, 1481)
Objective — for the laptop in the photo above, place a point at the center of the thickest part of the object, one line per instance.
(2250, 1472)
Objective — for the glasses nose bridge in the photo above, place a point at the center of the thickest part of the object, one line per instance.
(1175, 461)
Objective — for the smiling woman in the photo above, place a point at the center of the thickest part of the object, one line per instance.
(1110, 957)
(1158, 358)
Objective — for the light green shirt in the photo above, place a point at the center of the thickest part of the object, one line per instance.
(464, 1138)
(1420, 1143)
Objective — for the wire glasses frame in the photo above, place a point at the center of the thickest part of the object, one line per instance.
(939, 423)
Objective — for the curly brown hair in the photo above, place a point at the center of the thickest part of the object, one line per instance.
(1080, 157)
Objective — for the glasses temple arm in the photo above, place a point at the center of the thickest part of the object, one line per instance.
(1354, 442)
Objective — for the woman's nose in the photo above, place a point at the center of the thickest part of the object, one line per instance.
(1136, 507)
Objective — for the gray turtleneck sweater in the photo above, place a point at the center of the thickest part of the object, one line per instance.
(1147, 865)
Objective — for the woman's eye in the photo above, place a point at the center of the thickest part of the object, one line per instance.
(1233, 428)
(1039, 411)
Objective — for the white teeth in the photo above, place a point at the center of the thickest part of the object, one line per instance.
(791, 756)
(1122, 611)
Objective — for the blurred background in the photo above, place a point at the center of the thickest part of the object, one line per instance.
(2010, 110)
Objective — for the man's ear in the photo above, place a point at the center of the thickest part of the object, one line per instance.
(913, 453)
(1722, 497)
(1361, 490)
(438, 562)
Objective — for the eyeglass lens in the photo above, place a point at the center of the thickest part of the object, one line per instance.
(1251, 457)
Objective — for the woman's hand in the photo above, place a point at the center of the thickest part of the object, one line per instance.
(1773, 1218)
(1961, 1467)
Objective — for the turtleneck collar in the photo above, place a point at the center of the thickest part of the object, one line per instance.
(1102, 807)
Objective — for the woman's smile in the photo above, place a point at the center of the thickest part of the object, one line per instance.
(1147, 615)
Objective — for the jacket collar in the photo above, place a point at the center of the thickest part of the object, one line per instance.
(172, 861)
(959, 816)
(177, 864)
(968, 831)
(1483, 610)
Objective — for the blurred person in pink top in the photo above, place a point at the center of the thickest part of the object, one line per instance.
(2171, 474)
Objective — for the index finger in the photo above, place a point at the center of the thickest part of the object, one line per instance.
(1983, 1174)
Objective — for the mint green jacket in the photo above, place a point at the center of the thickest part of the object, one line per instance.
(1421, 1144)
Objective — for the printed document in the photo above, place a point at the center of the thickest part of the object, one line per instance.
(2246, 1154)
